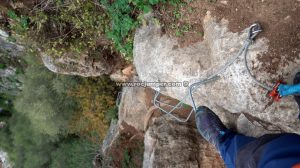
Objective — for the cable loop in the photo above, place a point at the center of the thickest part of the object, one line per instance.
(254, 30)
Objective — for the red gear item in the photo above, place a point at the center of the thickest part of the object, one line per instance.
(274, 94)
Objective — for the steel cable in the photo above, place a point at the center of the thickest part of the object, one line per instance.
(254, 29)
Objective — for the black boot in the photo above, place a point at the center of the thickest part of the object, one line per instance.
(210, 126)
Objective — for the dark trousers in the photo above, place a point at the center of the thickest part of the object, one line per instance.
(230, 147)
(277, 150)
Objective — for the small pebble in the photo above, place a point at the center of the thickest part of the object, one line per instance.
(288, 17)
(224, 2)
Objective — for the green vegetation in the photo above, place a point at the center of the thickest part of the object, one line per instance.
(2, 66)
(18, 24)
(82, 26)
(73, 153)
(178, 27)
(125, 16)
(133, 156)
(126, 152)
(212, 1)
(112, 113)
(30, 149)
(40, 118)
(68, 26)
(95, 97)
(44, 99)
(56, 120)
(186, 106)
(127, 162)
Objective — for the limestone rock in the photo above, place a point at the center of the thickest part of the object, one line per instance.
(156, 59)
(169, 143)
(14, 49)
(128, 71)
(3, 33)
(10, 54)
(132, 108)
(111, 136)
(123, 75)
(2, 124)
(254, 127)
(118, 76)
(81, 65)
(4, 162)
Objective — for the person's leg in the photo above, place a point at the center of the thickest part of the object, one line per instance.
(297, 98)
(214, 131)
(282, 151)
(230, 145)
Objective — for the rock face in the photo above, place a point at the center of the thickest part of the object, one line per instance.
(123, 75)
(133, 109)
(158, 58)
(172, 144)
(82, 66)
(10, 54)
(13, 48)
(112, 134)
(168, 143)
(4, 162)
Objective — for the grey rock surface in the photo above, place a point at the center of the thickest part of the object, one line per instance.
(118, 76)
(82, 65)
(14, 49)
(10, 54)
(254, 127)
(172, 144)
(167, 142)
(112, 134)
(132, 108)
(4, 160)
(157, 59)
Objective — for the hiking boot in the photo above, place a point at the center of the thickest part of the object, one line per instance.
(297, 98)
(210, 126)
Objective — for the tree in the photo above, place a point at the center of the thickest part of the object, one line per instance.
(73, 153)
(30, 149)
(95, 97)
(44, 99)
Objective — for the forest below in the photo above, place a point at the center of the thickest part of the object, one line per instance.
(54, 120)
